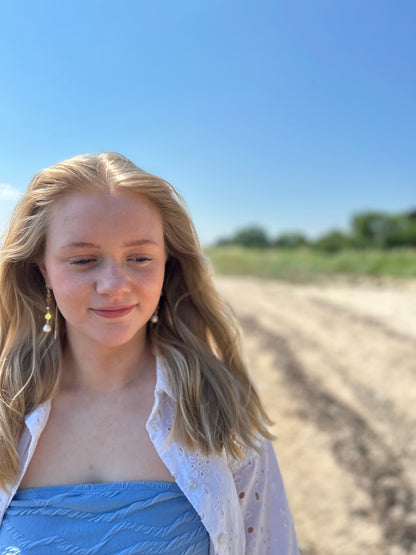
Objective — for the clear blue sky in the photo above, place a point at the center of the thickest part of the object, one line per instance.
(291, 114)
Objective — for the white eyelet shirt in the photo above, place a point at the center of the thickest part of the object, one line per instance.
(242, 503)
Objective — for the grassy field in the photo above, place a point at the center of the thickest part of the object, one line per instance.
(307, 264)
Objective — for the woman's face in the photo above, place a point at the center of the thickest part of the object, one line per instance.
(105, 261)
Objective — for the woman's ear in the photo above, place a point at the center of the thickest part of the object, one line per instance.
(44, 272)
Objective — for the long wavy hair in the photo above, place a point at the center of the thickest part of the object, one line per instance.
(217, 406)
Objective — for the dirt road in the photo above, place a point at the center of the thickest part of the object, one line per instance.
(336, 367)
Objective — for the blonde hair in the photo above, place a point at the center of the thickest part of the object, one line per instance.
(197, 337)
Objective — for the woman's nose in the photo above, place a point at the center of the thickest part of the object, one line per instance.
(112, 279)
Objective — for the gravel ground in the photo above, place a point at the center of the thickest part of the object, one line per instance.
(335, 364)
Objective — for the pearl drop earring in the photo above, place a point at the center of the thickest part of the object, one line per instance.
(155, 316)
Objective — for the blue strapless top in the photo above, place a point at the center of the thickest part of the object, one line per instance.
(106, 519)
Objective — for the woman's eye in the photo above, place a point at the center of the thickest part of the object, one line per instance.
(141, 259)
(82, 261)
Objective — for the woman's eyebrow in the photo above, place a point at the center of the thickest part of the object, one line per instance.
(80, 244)
(140, 242)
(84, 244)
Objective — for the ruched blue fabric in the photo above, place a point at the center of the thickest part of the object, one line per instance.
(120, 518)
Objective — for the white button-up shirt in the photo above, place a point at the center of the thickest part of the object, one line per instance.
(242, 503)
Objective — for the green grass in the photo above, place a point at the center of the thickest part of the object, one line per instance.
(308, 264)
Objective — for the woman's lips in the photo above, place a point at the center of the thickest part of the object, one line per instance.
(113, 312)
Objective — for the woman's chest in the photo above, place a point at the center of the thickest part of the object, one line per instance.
(96, 441)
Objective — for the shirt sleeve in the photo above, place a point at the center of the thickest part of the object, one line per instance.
(268, 522)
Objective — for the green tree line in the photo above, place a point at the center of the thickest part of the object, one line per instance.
(371, 229)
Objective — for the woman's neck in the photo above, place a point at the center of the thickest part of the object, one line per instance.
(101, 369)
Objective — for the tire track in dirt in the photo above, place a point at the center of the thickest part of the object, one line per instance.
(351, 315)
(383, 409)
(348, 353)
(356, 446)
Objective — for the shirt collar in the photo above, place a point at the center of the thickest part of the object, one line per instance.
(162, 377)
(38, 417)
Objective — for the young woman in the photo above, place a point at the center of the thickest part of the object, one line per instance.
(128, 422)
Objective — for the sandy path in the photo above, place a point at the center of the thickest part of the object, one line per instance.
(336, 367)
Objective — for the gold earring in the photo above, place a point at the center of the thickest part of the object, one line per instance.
(47, 328)
(55, 327)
